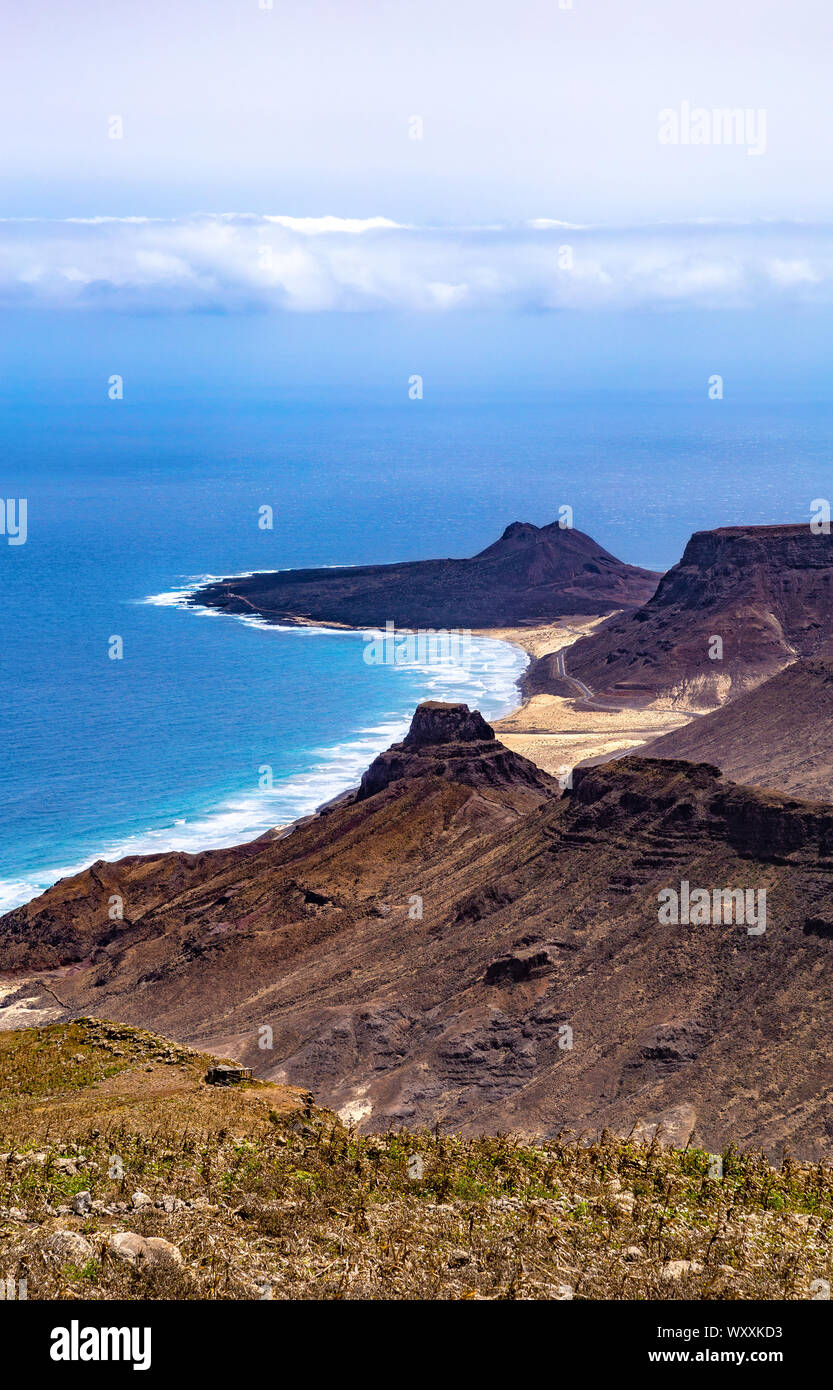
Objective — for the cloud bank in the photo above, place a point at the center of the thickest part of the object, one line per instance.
(243, 262)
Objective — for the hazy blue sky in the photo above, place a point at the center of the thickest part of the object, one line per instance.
(529, 109)
(224, 156)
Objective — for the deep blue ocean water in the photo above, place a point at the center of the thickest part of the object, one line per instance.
(132, 500)
(166, 747)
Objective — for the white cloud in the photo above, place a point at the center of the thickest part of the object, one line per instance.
(314, 226)
(235, 262)
(546, 224)
(797, 272)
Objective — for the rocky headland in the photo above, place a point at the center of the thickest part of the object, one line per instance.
(529, 575)
(459, 941)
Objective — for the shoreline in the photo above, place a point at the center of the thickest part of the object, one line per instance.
(550, 730)
(553, 731)
(335, 770)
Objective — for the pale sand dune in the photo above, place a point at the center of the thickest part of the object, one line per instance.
(557, 733)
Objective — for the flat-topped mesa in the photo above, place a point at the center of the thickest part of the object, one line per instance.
(778, 531)
(746, 558)
(743, 603)
(455, 743)
(436, 721)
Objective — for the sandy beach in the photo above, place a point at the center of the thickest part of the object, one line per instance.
(557, 732)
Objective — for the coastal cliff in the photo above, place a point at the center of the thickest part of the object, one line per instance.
(743, 603)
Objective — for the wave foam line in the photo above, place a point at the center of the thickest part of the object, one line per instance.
(491, 682)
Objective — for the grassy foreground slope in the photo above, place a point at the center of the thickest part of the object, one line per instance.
(124, 1175)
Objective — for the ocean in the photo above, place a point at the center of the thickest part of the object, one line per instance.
(132, 504)
(208, 730)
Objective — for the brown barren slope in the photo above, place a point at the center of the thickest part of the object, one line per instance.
(778, 735)
(538, 929)
(530, 575)
(765, 591)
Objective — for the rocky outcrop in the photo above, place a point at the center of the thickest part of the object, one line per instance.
(743, 603)
(462, 944)
(435, 722)
(531, 574)
(137, 1249)
(226, 1074)
(518, 965)
(819, 926)
(455, 742)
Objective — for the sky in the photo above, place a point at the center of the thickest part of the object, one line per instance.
(416, 155)
(528, 109)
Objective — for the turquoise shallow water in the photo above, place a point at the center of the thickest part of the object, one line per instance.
(164, 748)
(173, 746)
(210, 730)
